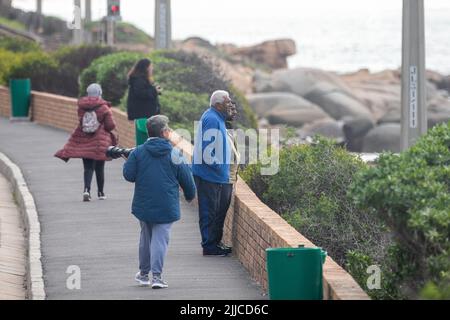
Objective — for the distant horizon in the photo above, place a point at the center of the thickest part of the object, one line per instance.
(320, 28)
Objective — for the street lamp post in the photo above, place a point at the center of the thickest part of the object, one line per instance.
(163, 24)
(78, 24)
(414, 112)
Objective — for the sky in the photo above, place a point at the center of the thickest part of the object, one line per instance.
(341, 35)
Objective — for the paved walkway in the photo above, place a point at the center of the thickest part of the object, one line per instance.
(12, 246)
(101, 237)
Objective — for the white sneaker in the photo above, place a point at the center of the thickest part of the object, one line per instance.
(158, 283)
(143, 280)
(86, 196)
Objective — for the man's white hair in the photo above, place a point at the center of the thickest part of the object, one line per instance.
(218, 97)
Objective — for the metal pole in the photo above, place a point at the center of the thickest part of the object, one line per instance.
(414, 112)
(163, 24)
(110, 26)
(88, 11)
(39, 16)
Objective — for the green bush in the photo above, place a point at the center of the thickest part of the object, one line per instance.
(40, 68)
(111, 73)
(310, 192)
(183, 108)
(411, 193)
(182, 71)
(18, 45)
(73, 60)
(187, 80)
(8, 60)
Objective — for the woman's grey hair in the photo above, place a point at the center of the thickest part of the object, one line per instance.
(218, 97)
(94, 90)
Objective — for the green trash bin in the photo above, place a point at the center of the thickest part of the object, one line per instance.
(141, 131)
(20, 90)
(295, 273)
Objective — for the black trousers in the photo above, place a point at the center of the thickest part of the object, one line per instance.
(214, 199)
(89, 167)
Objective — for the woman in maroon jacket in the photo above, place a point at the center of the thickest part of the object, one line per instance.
(92, 146)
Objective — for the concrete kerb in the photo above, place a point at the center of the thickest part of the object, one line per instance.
(25, 201)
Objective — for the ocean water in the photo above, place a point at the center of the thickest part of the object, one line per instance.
(343, 36)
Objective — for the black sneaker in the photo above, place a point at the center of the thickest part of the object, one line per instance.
(101, 196)
(216, 252)
(226, 248)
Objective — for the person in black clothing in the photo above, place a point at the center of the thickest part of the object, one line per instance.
(143, 101)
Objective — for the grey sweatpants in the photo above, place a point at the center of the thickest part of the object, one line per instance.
(153, 247)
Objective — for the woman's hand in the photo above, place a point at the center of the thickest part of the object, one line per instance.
(159, 89)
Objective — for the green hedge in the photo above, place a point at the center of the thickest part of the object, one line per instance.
(40, 68)
(310, 192)
(111, 73)
(411, 192)
(187, 80)
(18, 45)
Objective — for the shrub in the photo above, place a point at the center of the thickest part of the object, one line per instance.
(18, 45)
(183, 108)
(182, 71)
(73, 60)
(411, 192)
(81, 57)
(40, 68)
(310, 192)
(111, 73)
(8, 60)
(187, 81)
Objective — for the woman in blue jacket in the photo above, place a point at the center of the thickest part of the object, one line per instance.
(158, 170)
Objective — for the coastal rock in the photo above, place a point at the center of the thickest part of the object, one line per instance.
(285, 108)
(271, 53)
(300, 81)
(385, 137)
(326, 127)
(354, 130)
(295, 117)
(263, 103)
(336, 102)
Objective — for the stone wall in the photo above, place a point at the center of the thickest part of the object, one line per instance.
(251, 227)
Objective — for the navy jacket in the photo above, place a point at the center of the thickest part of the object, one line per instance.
(212, 154)
(158, 170)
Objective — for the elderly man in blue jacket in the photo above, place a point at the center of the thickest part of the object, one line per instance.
(158, 170)
(211, 169)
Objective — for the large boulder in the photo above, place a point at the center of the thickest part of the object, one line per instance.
(325, 127)
(355, 129)
(295, 117)
(300, 81)
(272, 53)
(385, 137)
(262, 103)
(285, 108)
(336, 102)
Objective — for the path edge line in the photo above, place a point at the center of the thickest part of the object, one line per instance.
(34, 273)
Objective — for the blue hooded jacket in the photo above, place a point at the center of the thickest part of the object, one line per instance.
(212, 154)
(157, 180)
